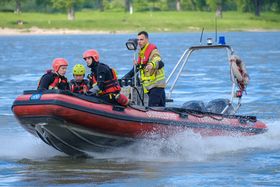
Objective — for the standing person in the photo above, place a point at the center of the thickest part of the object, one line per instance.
(152, 75)
(55, 78)
(79, 84)
(103, 80)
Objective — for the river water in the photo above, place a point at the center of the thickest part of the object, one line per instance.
(184, 160)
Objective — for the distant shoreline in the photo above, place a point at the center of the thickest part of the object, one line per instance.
(39, 31)
(93, 22)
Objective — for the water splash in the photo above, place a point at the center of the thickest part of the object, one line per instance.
(24, 146)
(15, 143)
(188, 146)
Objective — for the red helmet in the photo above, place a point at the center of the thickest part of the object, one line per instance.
(91, 53)
(57, 62)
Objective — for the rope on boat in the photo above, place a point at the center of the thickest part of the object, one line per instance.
(194, 113)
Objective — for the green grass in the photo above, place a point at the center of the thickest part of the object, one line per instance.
(150, 21)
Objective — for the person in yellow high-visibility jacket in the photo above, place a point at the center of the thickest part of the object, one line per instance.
(151, 67)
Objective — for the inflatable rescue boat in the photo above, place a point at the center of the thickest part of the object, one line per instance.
(78, 124)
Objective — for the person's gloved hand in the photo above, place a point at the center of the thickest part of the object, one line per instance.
(94, 90)
(149, 67)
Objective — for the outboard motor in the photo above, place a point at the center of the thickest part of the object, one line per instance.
(218, 105)
(194, 105)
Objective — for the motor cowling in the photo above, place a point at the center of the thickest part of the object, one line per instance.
(218, 105)
(194, 105)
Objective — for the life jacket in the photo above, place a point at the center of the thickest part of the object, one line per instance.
(110, 86)
(92, 79)
(155, 78)
(57, 82)
(144, 54)
(79, 87)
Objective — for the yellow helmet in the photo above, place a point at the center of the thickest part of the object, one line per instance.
(79, 69)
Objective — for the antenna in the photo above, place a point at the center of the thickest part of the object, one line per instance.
(201, 35)
(216, 29)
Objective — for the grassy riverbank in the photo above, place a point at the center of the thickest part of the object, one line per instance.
(151, 21)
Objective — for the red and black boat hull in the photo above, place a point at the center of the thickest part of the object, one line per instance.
(77, 124)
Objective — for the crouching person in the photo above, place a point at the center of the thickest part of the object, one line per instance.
(79, 84)
(55, 78)
(103, 80)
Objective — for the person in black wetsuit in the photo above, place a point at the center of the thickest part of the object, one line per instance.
(55, 78)
(103, 80)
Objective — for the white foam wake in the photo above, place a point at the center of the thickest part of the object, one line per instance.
(188, 146)
(25, 146)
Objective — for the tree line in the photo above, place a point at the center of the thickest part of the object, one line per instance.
(131, 6)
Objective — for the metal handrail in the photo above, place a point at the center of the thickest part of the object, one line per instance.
(182, 62)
